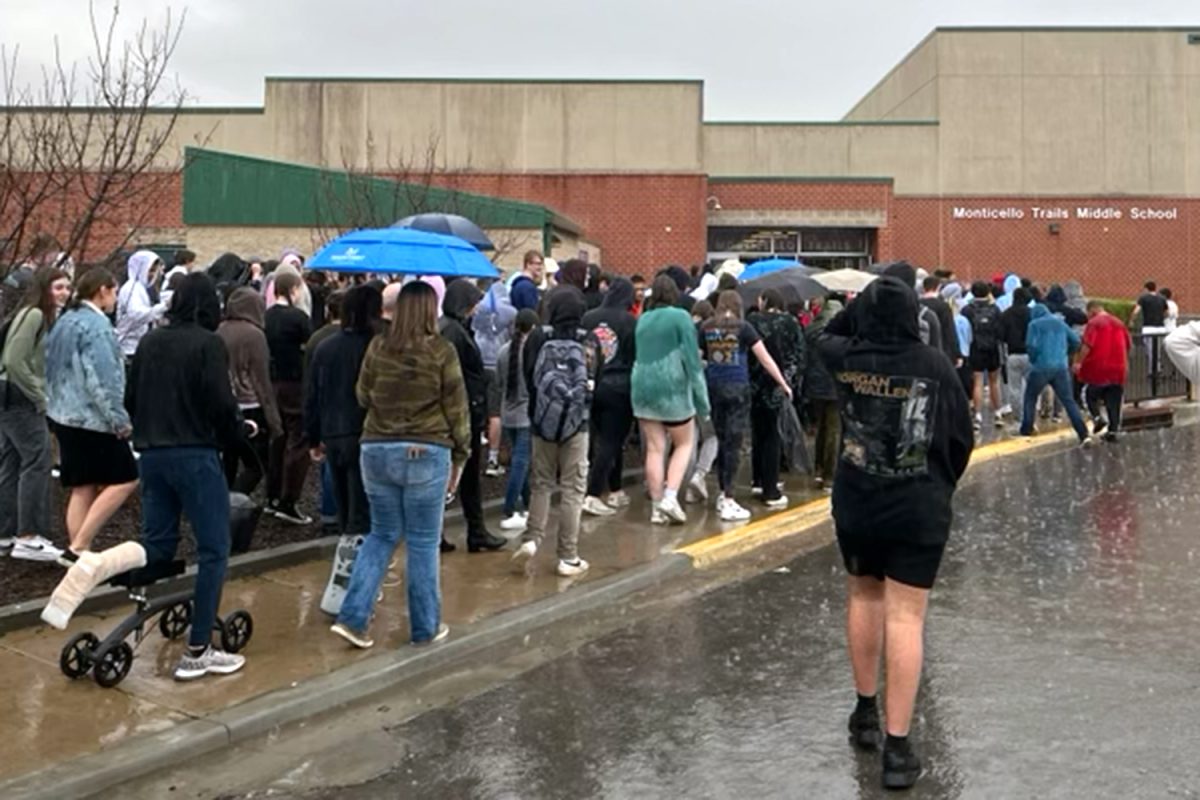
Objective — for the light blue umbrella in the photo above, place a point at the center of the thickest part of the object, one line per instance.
(760, 268)
(403, 251)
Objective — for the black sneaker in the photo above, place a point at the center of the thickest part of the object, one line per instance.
(484, 541)
(901, 767)
(289, 513)
(448, 547)
(865, 731)
(1100, 426)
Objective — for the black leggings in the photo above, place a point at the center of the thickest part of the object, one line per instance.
(730, 415)
(766, 448)
(246, 461)
(612, 417)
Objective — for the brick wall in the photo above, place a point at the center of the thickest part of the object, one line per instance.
(756, 195)
(641, 222)
(1111, 258)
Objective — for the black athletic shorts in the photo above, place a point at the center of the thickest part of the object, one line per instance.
(904, 562)
(985, 361)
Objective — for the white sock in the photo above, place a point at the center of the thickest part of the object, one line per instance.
(493, 456)
(670, 494)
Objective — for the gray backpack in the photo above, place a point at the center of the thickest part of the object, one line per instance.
(563, 397)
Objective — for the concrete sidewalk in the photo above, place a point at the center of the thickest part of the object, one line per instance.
(68, 738)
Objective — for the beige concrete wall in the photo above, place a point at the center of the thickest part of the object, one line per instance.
(570, 247)
(908, 92)
(907, 153)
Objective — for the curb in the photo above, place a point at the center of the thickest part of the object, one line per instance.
(100, 772)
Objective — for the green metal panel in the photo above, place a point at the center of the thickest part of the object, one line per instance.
(234, 190)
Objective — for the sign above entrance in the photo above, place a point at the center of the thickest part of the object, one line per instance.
(1061, 213)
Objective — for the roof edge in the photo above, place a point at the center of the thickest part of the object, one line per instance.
(912, 52)
(460, 80)
(837, 123)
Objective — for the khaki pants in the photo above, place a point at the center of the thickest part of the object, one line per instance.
(558, 465)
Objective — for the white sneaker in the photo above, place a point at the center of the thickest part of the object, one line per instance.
(1005, 411)
(730, 511)
(698, 485)
(443, 631)
(6, 544)
(777, 503)
(978, 422)
(568, 569)
(596, 507)
(657, 517)
(523, 555)
(211, 660)
(1089, 442)
(494, 470)
(618, 499)
(35, 548)
(359, 640)
(673, 510)
(999, 419)
(755, 491)
(518, 521)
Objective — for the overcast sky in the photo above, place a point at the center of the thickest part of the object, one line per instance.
(760, 59)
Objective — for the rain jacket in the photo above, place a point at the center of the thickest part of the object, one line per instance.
(667, 383)
(906, 423)
(136, 314)
(493, 323)
(249, 356)
(1004, 301)
(290, 264)
(85, 374)
(614, 327)
(1049, 341)
(1183, 348)
(455, 326)
(1074, 293)
(1056, 302)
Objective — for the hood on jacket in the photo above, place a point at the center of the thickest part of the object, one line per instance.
(708, 285)
(888, 312)
(574, 272)
(565, 307)
(462, 296)
(903, 272)
(498, 292)
(1056, 297)
(681, 277)
(247, 305)
(139, 266)
(195, 301)
(1011, 283)
(229, 268)
(1074, 294)
(1038, 311)
(291, 256)
(620, 295)
(952, 293)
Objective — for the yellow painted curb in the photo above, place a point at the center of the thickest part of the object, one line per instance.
(741, 540)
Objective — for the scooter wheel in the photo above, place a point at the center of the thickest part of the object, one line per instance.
(236, 631)
(114, 665)
(175, 621)
(76, 658)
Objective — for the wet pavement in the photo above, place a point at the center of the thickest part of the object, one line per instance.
(1061, 662)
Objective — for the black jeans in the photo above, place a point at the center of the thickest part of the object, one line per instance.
(766, 447)
(342, 453)
(1113, 396)
(730, 415)
(246, 461)
(470, 485)
(287, 467)
(612, 417)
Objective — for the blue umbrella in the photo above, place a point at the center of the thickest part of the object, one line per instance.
(760, 268)
(404, 251)
(451, 224)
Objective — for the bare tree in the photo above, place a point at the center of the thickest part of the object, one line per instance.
(386, 186)
(84, 150)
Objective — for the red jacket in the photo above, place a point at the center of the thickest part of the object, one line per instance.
(1107, 358)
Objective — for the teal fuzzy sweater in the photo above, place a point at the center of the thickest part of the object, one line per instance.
(668, 378)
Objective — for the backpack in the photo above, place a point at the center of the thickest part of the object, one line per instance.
(985, 328)
(563, 395)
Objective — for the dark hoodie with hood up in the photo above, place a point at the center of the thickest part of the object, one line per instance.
(613, 327)
(249, 357)
(1056, 301)
(563, 310)
(906, 424)
(178, 392)
(461, 298)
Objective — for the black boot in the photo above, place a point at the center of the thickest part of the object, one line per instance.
(484, 540)
(865, 731)
(901, 767)
(448, 547)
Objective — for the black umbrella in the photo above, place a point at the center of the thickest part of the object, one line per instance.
(451, 224)
(795, 284)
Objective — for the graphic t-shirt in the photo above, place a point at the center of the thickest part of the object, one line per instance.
(888, 423)
(726, 344)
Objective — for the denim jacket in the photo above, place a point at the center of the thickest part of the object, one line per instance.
(85, 373)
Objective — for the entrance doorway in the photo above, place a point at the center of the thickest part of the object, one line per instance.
(828, 248)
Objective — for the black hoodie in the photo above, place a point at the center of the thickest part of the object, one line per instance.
(563, 309)
(461, 298)
(906, 424)
(613, 327)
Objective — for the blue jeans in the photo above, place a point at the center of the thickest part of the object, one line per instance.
(190, 480)
(1060, 381)
(406, 489)
(516, 495)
